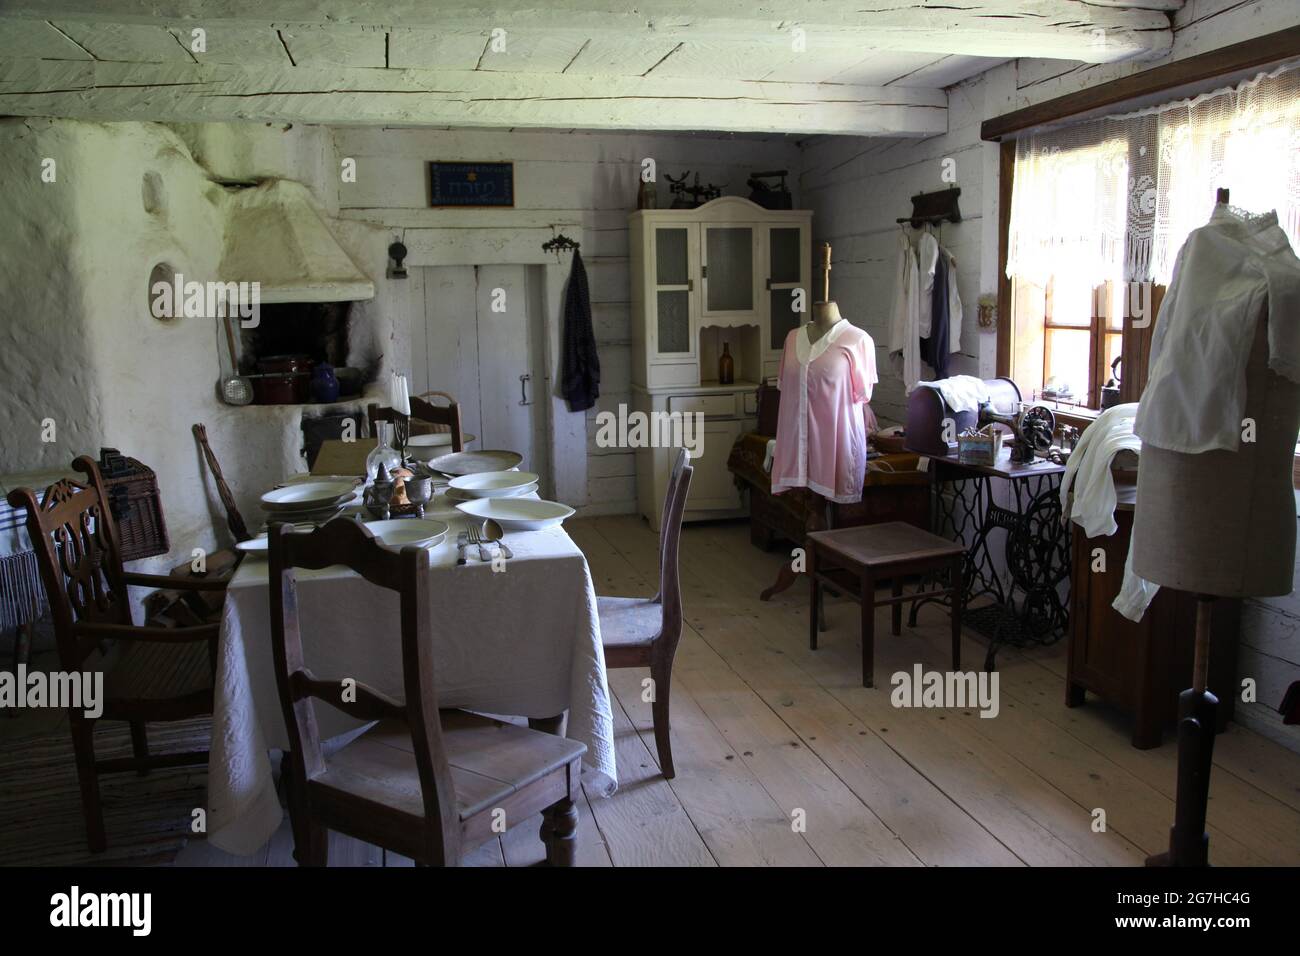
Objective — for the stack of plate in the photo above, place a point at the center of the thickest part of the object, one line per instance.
(308, 501)
(492, 484)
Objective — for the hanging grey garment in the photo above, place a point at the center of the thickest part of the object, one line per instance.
(580, 372)
(935, 348)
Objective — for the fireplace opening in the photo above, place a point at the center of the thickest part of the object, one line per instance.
(317, 331)
(285, 353)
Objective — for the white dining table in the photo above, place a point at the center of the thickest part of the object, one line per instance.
(516, 638)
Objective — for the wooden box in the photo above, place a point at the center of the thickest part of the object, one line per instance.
(1140, 667)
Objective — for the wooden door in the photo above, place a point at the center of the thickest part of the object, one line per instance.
(483, 343)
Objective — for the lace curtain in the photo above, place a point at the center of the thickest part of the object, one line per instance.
(1115, 197)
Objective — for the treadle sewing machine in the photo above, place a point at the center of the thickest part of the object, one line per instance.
(1028, 587)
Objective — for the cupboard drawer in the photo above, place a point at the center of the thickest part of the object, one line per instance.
(685, 374)
(751, 403)
(711, 406)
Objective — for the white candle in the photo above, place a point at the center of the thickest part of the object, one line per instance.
(400, 397)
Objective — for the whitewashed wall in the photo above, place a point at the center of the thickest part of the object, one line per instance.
(857, 188)
(560, 177)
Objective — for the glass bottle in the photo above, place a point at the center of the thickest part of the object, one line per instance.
(726, 366)
(383, 453)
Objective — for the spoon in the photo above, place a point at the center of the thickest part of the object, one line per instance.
(492, 532)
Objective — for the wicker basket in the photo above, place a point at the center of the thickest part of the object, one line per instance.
(133, 499)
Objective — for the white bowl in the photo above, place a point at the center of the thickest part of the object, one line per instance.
(307, 495)
(455, 494)
(262, 544)
(517, 514)
(495, 484)
(399, 533)
(428, 447)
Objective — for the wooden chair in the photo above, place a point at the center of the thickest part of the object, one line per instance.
(153, 673)
(440, 417)
(640, 632)
(421, 783)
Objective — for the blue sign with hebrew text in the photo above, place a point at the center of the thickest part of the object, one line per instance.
(471, 184)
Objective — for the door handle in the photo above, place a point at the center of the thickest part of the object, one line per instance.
(523, 389)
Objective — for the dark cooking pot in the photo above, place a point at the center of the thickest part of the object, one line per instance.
(282, 380)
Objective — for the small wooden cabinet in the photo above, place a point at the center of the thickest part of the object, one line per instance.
(727, 274)
(1140, 667)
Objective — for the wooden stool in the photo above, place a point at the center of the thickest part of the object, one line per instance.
(878, 552)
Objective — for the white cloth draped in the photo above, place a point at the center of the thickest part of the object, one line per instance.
(520, 642)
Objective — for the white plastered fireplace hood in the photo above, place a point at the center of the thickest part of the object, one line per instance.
(276, 236)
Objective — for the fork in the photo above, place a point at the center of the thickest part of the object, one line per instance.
(476, 537)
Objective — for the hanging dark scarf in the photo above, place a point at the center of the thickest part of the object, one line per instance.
(580, 368)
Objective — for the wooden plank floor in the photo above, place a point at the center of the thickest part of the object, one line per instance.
(784, 759)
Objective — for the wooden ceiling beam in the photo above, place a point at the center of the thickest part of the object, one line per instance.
(180, 92)
(1095, 31)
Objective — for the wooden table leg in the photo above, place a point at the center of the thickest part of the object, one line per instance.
(785, 578)
(868, 631)
(896, 610)
(814, 598)
(958, 600)
(548, 725)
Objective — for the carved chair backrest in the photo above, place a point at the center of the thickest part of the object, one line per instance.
(75, 538)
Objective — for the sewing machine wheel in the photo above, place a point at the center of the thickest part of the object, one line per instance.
(1037, 426)
(1038, 554)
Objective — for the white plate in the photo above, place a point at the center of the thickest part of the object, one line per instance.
(475, 462)
(455, 494)
(261, 544)
(403, 532)
(518, 514)
(306, 495)
(426, 447)
(495, 484)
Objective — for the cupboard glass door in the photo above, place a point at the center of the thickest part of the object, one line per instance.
(788, 257)
(675, 252)
(728, 273)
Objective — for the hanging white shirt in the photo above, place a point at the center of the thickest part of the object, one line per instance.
(1228, 273)
(904, 329)
(927, 258)
(954, 304)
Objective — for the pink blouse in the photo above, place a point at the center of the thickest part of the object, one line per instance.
(821, 431)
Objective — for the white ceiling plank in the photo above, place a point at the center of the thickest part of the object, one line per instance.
(425, 50)
(127, 42)
(607, 56)
(37, 40)
(1071, 29)
(531, 52)
(211, 92)
(335, 46)
(947, 71)
(237, 45)
(696, 59)
(879, 67)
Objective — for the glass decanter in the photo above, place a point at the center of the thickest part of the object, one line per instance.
(383, 453)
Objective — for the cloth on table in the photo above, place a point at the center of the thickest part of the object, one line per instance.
(524, 642)
(961, 393)
(821, 439)
(1088, 475)
(1228, 274)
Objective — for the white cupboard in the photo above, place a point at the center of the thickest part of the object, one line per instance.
(729, 274)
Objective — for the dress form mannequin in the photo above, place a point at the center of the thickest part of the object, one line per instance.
(1218, 524)
(826, 312)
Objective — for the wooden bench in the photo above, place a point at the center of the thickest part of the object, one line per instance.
(853, 560)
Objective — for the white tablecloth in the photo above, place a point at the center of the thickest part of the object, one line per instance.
(523, 642)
